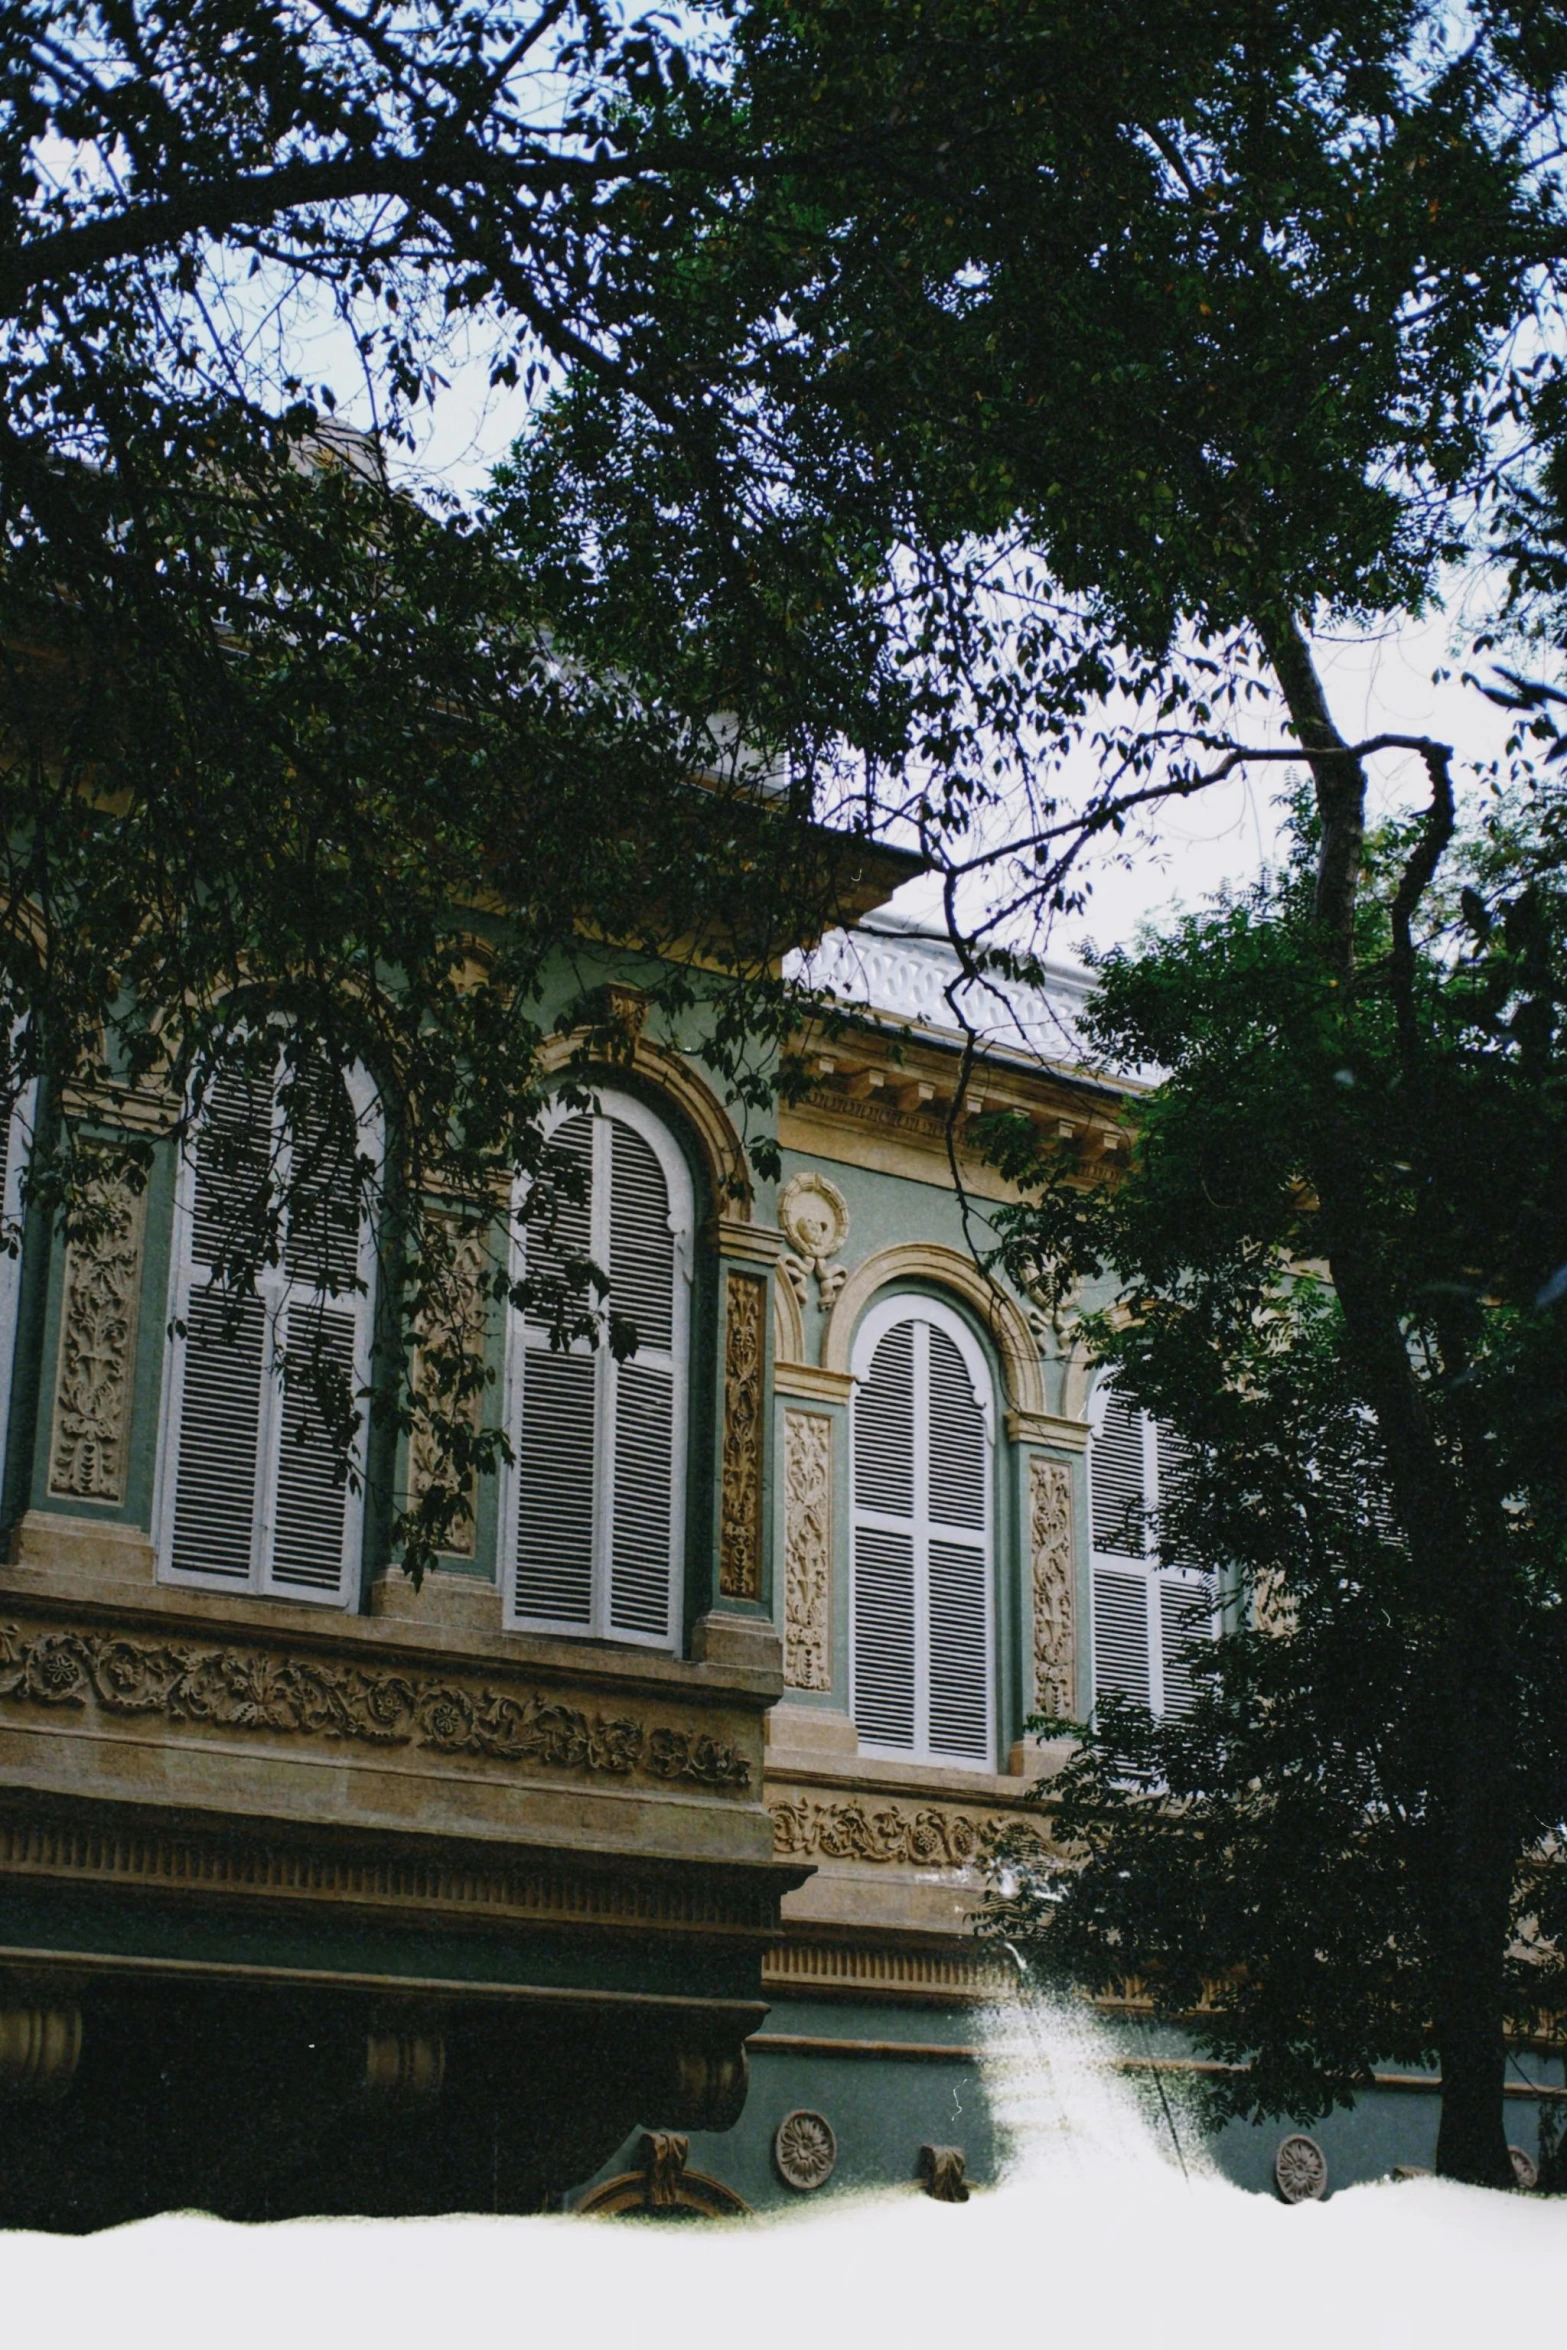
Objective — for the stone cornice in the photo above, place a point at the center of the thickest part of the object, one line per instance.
(87, 1843)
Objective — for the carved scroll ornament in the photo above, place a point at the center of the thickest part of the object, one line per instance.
(807, 1550)
(926, 1838)
(1050, 1542)
(240, 1689)
(740, 1536)
(94, 1378)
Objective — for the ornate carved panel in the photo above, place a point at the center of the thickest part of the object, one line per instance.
(453, 1333)
(262, 1689)
(1050, 1544)
(94, 1379)
(740, 1532)
(807, 1550)
(926, 1838)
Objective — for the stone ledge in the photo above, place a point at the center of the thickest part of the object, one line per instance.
(62, 1579)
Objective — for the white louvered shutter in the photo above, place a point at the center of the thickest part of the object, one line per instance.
(260, 1492)
(597, 1496)
(884, 1604)
(1149, 1610)
(921, 1584)
(220, 1368)
(552, 1567)
(642, 1273)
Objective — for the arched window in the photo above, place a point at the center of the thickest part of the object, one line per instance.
(593, 1515)
(1148, 1610)
(922, 1476)
(253, 1492)
(16, 1142)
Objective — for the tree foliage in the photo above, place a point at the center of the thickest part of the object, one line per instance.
(283, 740)
(1281, 1865)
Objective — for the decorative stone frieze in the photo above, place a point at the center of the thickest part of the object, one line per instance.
(94, 1378)
(745, 1347)
(807, 1550)
(1051, 1550)
(261, 1689)
(924, 1838)
(453, 1334)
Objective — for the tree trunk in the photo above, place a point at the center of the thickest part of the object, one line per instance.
(1468, 1905)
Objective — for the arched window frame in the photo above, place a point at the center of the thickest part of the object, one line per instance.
(1178, 1602)
(278, 1292)
(18, 1131)
(608, 1103)
(883, 1316)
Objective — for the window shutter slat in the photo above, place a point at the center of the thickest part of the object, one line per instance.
(310, 1520)
(1185, 1623)
(641, 1563)
(322, 1248)
(957, 1438)
(553, 1567)
(561, 1229)
(641, 1245)
(1121, 1635)
(1119, 1499)
(220, 1420)
(233, 1164)
(958, 1678)
(884, 1636)
(884, 1428)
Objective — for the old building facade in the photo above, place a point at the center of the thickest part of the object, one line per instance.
(630, 1862)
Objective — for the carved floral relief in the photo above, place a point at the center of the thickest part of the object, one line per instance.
(94, 1378)
(807, 1550)
(255, 1689)
(454, 1333)
(740, 1531)
(926, 1838)
(1050, 1543)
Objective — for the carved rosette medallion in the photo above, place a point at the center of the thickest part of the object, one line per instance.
(94, 1376)
(807, 1550)
(740, 1526)
(925, 1838)
(1300, 2170)
(453, 1335)
(814, 1217)
(805, 2151)
(260, 1689)
(1050, 1545)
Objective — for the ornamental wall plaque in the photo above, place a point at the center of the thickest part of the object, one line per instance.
(805, 2151)
(1300, 2170)
(814, 1217)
